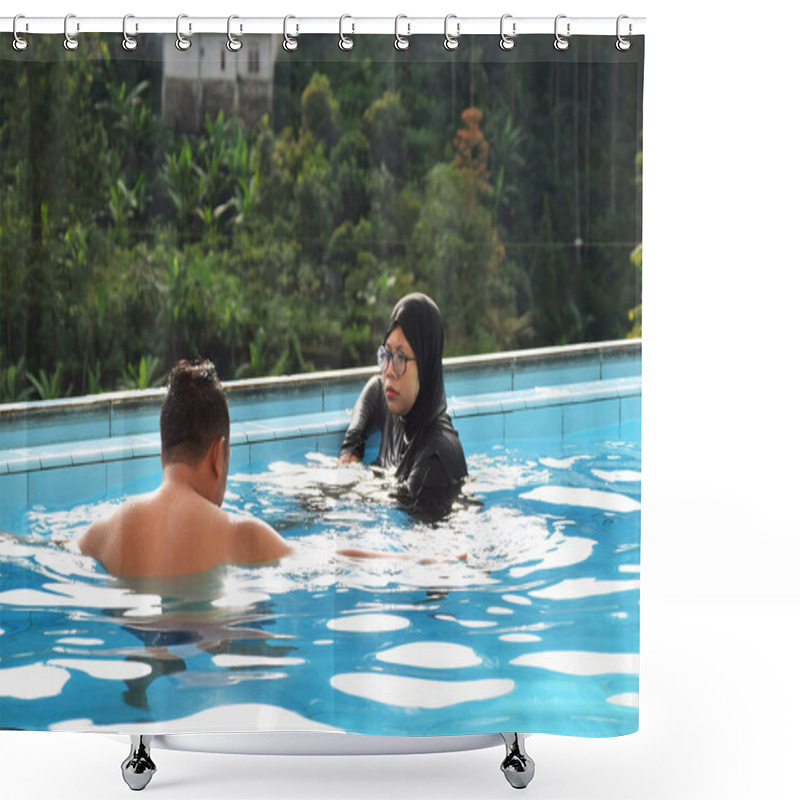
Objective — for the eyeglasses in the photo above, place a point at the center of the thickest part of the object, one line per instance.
(398, 359)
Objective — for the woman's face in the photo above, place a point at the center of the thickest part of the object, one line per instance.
(400, 390)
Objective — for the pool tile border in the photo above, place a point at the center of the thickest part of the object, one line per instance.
(547, 409)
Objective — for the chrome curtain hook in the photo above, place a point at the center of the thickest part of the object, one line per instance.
(181, 42)
(289, 43)
(233, 44)
(128, 42)
(560, 42)
(19, 43)
(70, 42)
(401, 42)
(507, 42)
(623, 44)
(450, 41)
(345, 42)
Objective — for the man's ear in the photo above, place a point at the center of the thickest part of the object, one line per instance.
(219, 450)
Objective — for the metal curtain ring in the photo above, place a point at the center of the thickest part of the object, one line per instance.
(451, 42)
(233, 44)
(507, 42)
(345, 42)
(128, 42)
(19, 43)
(181, 42)
(289, 43)
(560, 42)
(70, 42)
(623, 44)
(401, 42)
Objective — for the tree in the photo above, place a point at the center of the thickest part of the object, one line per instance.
(472, 149)
(384, 126)
(320, 111)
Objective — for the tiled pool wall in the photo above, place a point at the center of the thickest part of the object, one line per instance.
(63, 452)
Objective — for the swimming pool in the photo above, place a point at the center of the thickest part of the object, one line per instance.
(520, 612)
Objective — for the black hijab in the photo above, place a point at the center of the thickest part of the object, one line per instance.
(422, 324)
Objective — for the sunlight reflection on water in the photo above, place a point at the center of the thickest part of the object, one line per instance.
(509, 571)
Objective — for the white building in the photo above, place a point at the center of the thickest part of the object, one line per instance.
(208, 78)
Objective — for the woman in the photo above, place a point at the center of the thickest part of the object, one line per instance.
(406, 402)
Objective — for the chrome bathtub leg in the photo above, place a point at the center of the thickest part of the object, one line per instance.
(138, 768)
(517, 766)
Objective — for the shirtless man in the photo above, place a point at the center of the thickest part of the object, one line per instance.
(180, 528)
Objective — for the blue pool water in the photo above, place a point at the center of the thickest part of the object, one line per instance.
(520, 612)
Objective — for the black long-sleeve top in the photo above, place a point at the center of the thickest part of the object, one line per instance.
(429, 466)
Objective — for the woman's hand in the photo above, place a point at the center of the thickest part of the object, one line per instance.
(348, 458)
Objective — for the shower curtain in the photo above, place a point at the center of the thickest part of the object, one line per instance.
(266, 208)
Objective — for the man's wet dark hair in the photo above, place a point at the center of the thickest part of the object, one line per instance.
(194, 412)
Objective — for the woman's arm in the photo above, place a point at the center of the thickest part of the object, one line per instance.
(352, 552)
(367, 415)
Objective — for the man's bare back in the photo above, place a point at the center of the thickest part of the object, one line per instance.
(181, 529)
(177, 531)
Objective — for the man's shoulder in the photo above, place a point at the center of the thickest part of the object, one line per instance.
(238, 524)
(95, 536)
(204, 521)
(113, 524)
(253, 541)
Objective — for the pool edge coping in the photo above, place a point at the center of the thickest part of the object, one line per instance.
(264, 384)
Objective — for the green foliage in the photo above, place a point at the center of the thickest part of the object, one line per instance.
(12, 382)
(550, 278)
(182, 180)
(258, 357)
(320, 110)
(384, 125)
(636, 256)
(125, 203)
(511, 195)
(204, 305)
(144, 375)
(508, 166)
(291, 360)
(635, 314)
(93, 378)
(49, 386)
(458, 252)
(350, 164)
